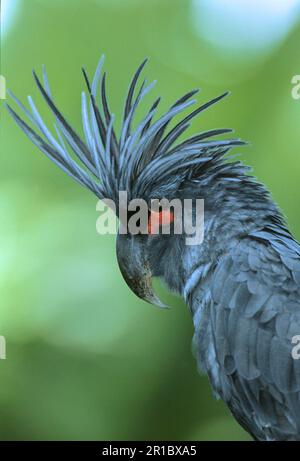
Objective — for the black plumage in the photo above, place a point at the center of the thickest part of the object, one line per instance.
(242, 284)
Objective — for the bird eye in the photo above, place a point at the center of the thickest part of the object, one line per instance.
(157, 219)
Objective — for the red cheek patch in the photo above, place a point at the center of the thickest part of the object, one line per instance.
(158, 219)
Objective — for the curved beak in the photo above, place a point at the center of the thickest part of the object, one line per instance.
(135, 268)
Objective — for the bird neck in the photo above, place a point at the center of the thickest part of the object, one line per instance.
(232, 210)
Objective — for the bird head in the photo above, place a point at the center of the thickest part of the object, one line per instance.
(148, 162)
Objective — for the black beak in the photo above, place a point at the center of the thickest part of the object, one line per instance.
(135, 268)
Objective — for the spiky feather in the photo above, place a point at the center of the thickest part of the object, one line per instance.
(106, 164)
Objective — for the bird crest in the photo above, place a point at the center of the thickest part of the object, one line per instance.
(147, 161)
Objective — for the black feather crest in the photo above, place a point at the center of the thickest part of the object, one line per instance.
(144, 162)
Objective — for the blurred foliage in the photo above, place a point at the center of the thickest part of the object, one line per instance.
(85, 358)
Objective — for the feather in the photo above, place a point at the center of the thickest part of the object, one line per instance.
(130, 161)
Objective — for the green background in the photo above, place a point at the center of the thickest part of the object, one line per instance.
(85, 358)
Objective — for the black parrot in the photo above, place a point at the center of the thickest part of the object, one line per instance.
(242, 283)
